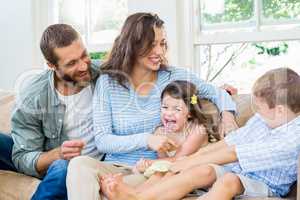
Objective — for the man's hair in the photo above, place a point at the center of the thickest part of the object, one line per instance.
(56, 36)
(279, 87)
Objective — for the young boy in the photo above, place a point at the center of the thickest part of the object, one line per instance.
(257, 160)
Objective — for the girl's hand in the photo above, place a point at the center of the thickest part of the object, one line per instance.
(142, 165)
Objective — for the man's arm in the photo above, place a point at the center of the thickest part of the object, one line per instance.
(28, 153)
(67, 150)
(28, 140)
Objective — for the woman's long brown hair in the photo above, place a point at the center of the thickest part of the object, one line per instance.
(135, 40)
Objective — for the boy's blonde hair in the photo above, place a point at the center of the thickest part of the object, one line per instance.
(279, 87)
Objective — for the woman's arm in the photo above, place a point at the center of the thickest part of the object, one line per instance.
(105, 140)
(206, 90)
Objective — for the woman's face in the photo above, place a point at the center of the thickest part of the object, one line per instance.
(153, 59)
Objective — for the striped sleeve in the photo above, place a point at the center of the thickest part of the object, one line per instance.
(105, 141)
(218, 96)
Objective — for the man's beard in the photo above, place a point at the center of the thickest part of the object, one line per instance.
(69, 80)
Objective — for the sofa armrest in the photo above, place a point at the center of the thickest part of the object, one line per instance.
(298, 180)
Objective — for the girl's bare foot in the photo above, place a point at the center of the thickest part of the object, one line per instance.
(113, 187)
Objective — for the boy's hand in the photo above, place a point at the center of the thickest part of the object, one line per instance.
(71, 148)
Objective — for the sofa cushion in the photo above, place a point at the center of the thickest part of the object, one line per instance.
(16, 186)
(7, 100)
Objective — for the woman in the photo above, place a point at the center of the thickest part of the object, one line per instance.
(126, 104)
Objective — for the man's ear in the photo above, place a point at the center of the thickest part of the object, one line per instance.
(51, 66)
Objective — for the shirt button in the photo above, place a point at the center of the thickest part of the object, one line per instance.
(53, 136)
(60, 120)
(22, 146)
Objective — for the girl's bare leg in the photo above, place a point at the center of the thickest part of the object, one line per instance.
(172, 188)
(225, 188)
(155, 178)
(179, 185)
(113, 187)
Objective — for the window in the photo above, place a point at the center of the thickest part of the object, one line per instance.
(235, 41)
(99, 22)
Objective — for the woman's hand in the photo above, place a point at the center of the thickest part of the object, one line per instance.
(227, 124)
(230, 89)
(161, 143)
(142, 165)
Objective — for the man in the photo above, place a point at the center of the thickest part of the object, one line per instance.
(52, 121)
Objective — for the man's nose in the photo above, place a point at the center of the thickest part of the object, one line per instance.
(83, 65)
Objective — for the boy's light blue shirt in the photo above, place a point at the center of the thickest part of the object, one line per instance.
(267, 155)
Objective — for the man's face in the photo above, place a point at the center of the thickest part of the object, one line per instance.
(73, 64)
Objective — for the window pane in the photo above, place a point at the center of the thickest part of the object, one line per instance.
(220, 11)
(281, 9)
(72, 12)
(243, 63)
(107, 18)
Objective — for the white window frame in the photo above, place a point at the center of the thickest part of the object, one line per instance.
(87, 37)
(256, 33)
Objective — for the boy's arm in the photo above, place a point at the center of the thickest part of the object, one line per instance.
(221, 156)
(211, 148)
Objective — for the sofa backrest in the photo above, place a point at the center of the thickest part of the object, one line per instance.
(7, 100)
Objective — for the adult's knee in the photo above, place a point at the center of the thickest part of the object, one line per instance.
(78, 162)
(59, 168)
(204, 171)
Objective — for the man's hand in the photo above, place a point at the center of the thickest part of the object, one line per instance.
(227, 124)
(161, 143)
(71, 148)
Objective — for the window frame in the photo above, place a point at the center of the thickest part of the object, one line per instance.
(87, 28)
(262, 31)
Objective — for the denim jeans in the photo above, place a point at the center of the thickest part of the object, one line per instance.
(53, 185)
(6, 144)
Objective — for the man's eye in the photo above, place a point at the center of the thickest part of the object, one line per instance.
(71, 63)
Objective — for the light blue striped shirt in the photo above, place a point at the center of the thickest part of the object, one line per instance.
(267, 155)
(123, 120)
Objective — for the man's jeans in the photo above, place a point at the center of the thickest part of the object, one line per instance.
(6, 144)
(52, 186)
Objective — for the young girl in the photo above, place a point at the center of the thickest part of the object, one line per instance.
(183, 121)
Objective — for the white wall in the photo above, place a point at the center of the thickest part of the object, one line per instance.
(167, 11)
(22, 23)
(16, 40)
